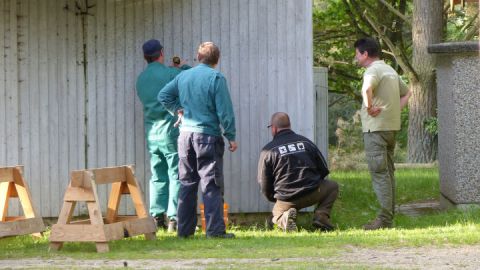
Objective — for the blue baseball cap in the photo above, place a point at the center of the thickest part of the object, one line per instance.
(152, 47)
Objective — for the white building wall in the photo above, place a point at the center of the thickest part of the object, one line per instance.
(67, 78)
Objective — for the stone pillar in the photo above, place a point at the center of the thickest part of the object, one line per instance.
(458, 95)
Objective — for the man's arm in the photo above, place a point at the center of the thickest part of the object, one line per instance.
(265, 176)
(317, 157)
(185, 67)
(405, 94)
(322, 164)
(224, 108)
(368, 97)
(404, 99)
(168, 97)
(369, 82)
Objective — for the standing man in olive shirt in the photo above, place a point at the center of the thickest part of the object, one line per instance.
(384, 95)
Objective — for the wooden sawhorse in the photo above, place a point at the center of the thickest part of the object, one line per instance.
(13, 185)
(83, 188)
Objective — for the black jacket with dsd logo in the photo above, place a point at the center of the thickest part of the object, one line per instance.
(290, 166)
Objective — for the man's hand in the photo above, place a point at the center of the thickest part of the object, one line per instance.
(404, 99)
(179, 120)
(373, 111)
(177, 62)
(233, 146)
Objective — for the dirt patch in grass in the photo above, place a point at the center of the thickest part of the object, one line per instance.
(455, 257)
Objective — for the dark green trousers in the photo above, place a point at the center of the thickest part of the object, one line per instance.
(379, 149)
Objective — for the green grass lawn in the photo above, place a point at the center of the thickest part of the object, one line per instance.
(355, 206)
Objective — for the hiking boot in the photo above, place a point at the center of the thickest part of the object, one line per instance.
(172, 226)
(223, 235)
(377, 224)
(322, 222)
(290, 217)
(160, 222)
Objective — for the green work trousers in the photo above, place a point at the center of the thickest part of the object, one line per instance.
(379, 149)
(164, 184)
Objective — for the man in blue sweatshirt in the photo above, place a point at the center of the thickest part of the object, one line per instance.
(200, 96)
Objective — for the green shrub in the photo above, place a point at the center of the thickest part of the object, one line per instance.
(349, 154)
(431, 125)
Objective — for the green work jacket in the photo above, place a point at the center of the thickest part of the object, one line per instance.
(203, 95)
(158, 121)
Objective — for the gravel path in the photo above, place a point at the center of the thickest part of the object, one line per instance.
(459, 257)
(463, 257)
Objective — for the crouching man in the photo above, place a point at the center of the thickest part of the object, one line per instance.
(291, 173)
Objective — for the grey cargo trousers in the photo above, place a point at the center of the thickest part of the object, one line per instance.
(379, 150)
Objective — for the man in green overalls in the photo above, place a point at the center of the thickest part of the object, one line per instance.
(161, 136)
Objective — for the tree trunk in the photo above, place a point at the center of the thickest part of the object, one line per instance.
(426, 29)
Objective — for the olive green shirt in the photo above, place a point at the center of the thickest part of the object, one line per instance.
(388, 87)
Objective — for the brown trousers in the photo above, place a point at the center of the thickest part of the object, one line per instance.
(322, 197)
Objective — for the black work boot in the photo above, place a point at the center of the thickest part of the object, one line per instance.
(223, 235)
(160, 222)
(322, 222)
(269, 225)
(377, 224)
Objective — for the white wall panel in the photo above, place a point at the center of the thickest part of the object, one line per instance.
(41, 80)
(3, 132)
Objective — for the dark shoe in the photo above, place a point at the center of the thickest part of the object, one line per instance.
(184, 236)
(269, 225)
(172, 226)
(160, 222)
(322, 222)
(223, 235)
(377, 224)
(291, 219)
